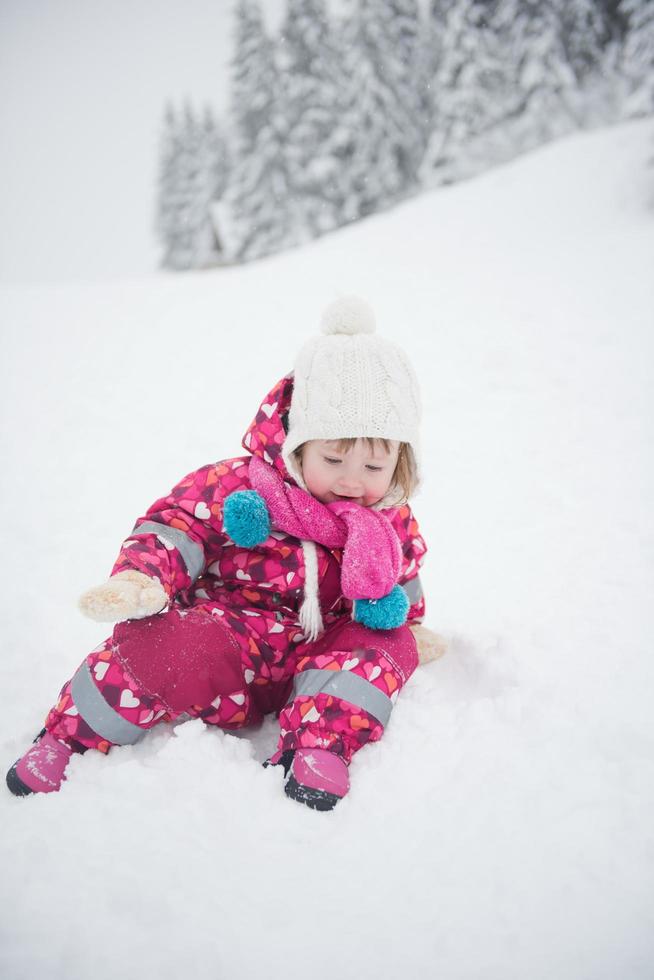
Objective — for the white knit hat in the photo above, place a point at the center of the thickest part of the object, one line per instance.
(350, 383)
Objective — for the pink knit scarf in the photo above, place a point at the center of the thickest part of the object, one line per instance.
(372, 555)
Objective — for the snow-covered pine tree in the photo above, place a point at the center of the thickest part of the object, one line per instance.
(376, 138)
(509, 75)
(309, 78)
(258, 200)
(431, 40)
(499, 99)
(193, 172)
(435, 53)
(586, 32)
(211, 179)
(407, 33)
(472, 90)
(545, 77)
(545, 71)
(347, 142)
(637, 55)
(168, 220)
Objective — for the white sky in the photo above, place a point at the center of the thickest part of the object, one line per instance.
(82, 89)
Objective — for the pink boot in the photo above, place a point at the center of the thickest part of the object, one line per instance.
(317, 778)
(42, 768)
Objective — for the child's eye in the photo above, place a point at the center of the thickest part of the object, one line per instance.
(375, 469)
(328, 459)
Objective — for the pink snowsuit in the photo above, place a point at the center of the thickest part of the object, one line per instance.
(229, 648)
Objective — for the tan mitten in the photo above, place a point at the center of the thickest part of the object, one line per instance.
(127, 595)
(431, 646)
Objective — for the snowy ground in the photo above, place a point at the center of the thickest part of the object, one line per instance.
(503, 827)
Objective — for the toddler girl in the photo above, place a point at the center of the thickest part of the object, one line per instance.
(296, 596)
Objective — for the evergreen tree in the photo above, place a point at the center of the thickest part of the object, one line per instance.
(346, 141)
(472, 88)
(168, 204)
(259, 200)
(585, 32)
(637, 61)
(410, 79)
(509, 75)
(308, 63)
(193, 172)
(213, 168)
(434, 54)
(545, 77)
(253, 81)
(378, 135)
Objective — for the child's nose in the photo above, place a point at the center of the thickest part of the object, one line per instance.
(349, 486)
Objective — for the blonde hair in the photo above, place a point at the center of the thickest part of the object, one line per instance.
(405, 475)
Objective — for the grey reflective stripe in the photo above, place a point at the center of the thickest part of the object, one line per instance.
(413, 590)
(192, 553)
(344, 684)
(99, 715)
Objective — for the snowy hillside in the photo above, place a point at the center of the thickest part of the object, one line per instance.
(502, 829)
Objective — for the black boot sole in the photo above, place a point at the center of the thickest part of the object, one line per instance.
(316, 799)
(16, 784)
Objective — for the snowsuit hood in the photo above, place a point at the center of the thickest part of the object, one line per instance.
(266, 433)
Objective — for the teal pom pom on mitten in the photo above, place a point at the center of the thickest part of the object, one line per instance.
(245, 518)
(386, 613)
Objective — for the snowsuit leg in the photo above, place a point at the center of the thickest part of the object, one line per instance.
(154, 669)
(344, 688)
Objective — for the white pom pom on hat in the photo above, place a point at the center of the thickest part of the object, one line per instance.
(348, 315)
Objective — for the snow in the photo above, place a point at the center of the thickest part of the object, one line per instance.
(502, 828)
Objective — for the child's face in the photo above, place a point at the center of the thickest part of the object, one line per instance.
(360, 474)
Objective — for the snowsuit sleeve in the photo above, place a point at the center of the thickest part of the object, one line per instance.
(182, 533)
(414, 550)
